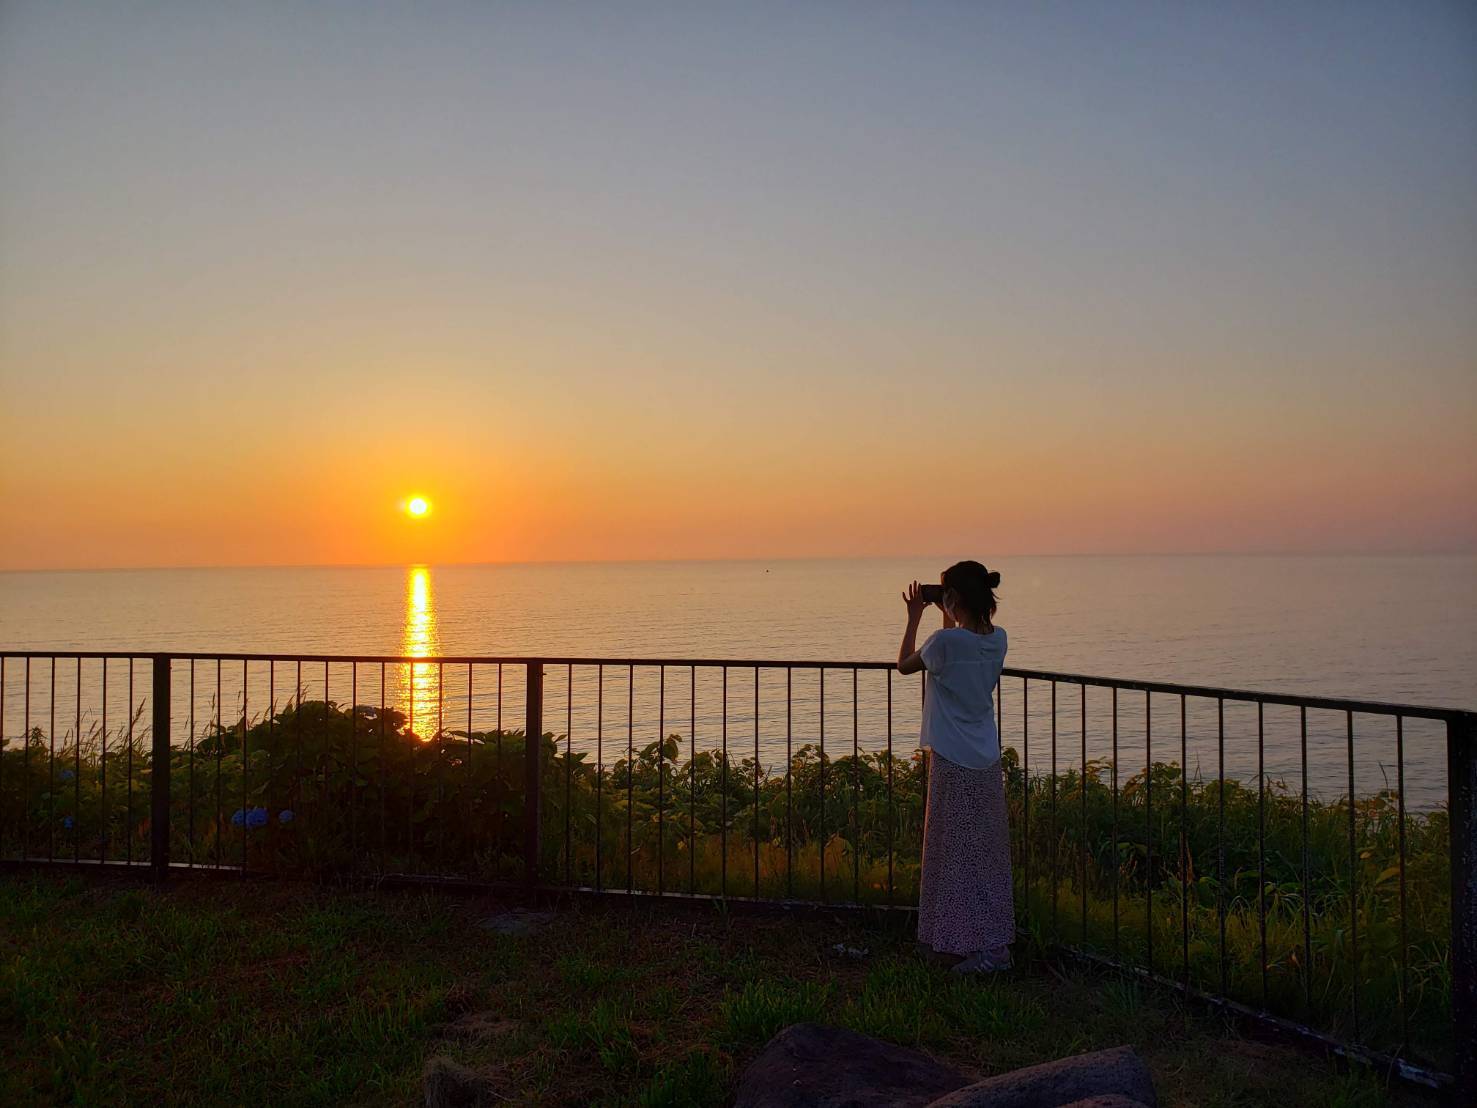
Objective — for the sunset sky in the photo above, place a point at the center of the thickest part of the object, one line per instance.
(642, 281)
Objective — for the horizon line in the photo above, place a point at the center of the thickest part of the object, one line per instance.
(1260, 553)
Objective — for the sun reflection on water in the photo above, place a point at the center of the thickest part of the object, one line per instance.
(421, 641)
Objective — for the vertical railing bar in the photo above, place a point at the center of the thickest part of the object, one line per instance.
(25, 820)
(1005, 777)
(127, 841)
(756, 782)
(1026, 839)
(1083, 784)
(821, 679)
(891, 803)
(384, 803)
(1261, 841)
(413, 749)
(354, 765)
(856, 795)
(271, 746)
(220, 831)
(1055, 842)
(77, 771)
(297, 736)
(103, 768)
(245, 765)
(323, 793)
(469, 780)
(1185, 855)
(692, 783)
(630, 774)
(1307, 921)
(159, 771)
(1149, 830)
(1400, 840)
(723, 793)
(1117, 864)
(23, 828)
(599, 770)
(439, 820)
(1220, 835)
(1353, 883)
(190, 815)
(502, 784)
(568, 765)
(661, 765)
(501, 788)
(790, 786)
(51, 772)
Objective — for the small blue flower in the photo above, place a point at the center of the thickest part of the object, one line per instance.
(67, 775)
(238, 818)
(67, 822)
(284, 816)
(257, 817)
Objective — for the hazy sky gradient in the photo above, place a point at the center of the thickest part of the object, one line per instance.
(619, 281)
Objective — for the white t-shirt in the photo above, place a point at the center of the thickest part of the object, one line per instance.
(958, 712)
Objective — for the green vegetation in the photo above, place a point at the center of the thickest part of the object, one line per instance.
(222, 990)
(319, 789)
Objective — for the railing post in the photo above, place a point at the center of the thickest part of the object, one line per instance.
(159, 772)
(533, 756)
(1461, 769)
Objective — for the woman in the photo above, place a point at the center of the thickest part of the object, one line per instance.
(964, 903)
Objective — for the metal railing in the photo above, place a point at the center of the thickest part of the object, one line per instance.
(1343, 911)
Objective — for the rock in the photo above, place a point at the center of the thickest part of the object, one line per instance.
(449, 1085)
(828, 1067)
(1109, 1101)
(1118, 1074)
(517, 921)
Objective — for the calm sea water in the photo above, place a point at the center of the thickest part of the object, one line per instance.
(1384, 628)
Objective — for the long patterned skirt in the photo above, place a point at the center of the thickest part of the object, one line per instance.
(965, 902)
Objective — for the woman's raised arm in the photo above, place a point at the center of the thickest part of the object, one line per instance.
(908, 659)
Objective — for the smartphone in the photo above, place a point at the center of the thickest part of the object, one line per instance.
(933, 594)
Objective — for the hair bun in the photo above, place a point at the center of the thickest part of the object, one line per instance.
(993, 579)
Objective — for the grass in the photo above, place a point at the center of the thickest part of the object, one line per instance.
(230, 991)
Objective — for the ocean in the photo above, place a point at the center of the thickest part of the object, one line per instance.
(1395, 628)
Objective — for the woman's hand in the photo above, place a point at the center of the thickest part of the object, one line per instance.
(908, 660)
(913, 598)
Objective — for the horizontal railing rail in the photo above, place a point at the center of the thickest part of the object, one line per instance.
(1305, 860)
(1333, 703)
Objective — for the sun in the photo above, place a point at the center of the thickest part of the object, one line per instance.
(417, 506)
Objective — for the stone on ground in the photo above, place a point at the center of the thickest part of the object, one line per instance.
(1119, 1074)
(517, 921)
(829, 1067)
(450, 1085)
